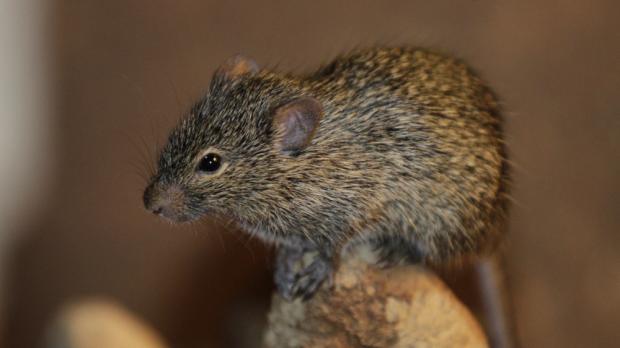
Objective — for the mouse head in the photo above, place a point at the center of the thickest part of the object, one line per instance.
(220, 158)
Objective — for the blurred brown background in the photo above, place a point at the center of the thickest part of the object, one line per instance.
(124, 71)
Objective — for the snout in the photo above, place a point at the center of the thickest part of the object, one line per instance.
(167, 202)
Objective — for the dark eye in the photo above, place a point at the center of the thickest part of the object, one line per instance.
(210, 163)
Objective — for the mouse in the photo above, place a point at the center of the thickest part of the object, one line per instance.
(397, 148)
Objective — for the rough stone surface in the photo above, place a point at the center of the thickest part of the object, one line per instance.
(406, 306)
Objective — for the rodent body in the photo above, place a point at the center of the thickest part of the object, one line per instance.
(398, 147)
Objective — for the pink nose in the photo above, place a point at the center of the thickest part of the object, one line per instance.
(167, 203)
(160, 208)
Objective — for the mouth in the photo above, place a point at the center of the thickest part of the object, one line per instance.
(177, 217)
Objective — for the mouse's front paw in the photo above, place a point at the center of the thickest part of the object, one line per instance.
(301, 271)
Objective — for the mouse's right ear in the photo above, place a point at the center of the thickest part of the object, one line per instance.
(295, 123)
(237, 66)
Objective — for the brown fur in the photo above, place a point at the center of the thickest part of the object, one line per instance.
(408, 154)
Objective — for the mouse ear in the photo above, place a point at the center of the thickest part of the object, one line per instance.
(295, 124)
(236, 66)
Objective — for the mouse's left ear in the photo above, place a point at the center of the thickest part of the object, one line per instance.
(295, 123)
(237, 66)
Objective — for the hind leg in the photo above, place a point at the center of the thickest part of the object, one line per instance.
(392, 250)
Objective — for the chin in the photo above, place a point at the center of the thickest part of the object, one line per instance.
(181, 218)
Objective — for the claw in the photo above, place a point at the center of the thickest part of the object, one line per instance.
(301, 271)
